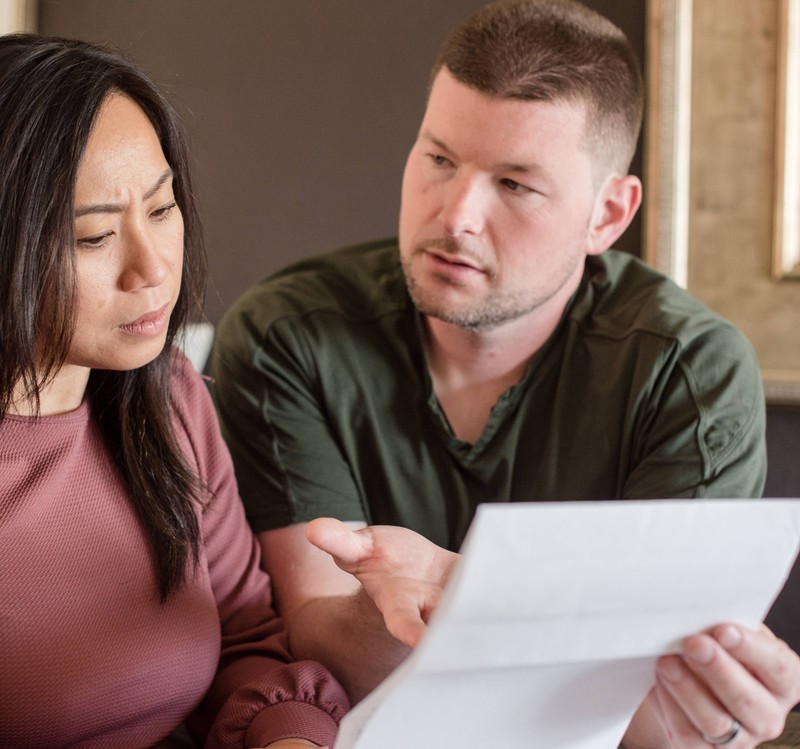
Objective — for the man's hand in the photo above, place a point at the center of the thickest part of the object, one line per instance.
(727, 676)
(402, 572)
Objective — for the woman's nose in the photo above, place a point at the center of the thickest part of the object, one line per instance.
(144, 264)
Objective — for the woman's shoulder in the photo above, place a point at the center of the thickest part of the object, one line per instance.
(193, 414)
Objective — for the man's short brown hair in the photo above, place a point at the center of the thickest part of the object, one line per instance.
(554, 50)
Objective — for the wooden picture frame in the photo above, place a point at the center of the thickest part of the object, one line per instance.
(786, 241)
(17, 15)
(667, 137)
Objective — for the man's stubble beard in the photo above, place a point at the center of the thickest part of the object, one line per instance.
(494, 310)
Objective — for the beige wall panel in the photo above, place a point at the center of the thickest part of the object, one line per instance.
(732, 183)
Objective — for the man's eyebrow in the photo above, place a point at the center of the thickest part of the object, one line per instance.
(441, 145)
(117, 207)
(509, 166)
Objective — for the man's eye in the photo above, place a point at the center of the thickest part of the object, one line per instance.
(514, 186)
(440, 160)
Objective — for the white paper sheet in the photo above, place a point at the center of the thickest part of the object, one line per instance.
(548, 632)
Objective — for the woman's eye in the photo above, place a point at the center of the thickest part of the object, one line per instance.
(96, 242)
(162, 214)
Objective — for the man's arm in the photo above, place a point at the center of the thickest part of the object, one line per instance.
(289, 466)
(329, 617)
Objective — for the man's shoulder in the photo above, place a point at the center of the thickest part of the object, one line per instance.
(355, 282)
(621, 296)
(625, 303)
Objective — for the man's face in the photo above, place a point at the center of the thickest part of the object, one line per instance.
(497, 204)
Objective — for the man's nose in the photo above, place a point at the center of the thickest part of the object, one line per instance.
(465, 206)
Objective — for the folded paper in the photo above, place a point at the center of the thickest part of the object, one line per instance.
(549, 630)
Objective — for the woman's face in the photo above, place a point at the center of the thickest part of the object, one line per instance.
(129, 234)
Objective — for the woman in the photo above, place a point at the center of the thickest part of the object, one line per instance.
(130, 593)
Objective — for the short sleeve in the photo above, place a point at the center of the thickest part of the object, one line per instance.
(704, 426)
(289, 463)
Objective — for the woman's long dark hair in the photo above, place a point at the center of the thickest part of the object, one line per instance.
(51, 90)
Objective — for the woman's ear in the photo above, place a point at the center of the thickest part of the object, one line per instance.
(615, 206)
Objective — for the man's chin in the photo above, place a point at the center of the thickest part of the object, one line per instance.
(471, 320)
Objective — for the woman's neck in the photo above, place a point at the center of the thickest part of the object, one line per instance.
(62, 394)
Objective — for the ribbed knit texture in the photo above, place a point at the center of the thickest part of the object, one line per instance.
(90, 657)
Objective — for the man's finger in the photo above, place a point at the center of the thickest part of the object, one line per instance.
(763, 654)
(739, 692)
(406, 625)
(347, 547)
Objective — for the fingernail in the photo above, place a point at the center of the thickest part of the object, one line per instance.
(729, 636)
(670, 669)
(700, 650)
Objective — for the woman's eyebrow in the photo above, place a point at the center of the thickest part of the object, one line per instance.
(118, 207)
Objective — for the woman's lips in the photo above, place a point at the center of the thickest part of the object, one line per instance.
(149, 324)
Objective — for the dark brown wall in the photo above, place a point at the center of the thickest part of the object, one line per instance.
(301, 113)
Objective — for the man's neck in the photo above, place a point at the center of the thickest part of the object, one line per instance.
(471, 369)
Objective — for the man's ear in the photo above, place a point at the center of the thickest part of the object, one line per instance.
(615, 206)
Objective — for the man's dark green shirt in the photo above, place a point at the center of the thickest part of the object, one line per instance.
(327, 405)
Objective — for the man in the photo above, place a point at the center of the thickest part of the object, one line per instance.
(496, 352)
